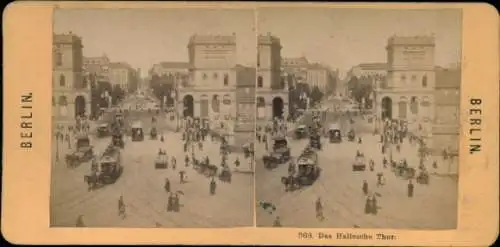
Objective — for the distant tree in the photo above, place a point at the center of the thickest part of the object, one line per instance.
(316, 95)
(117, 94)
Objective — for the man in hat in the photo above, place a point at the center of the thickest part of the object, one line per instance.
(213, 186)
(365, 187)
(167, 185)
(410, 188)
(277, 222)
(319, 210)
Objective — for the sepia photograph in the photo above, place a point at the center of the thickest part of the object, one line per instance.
(152, 118)
(357, 118)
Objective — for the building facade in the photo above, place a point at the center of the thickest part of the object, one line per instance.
(271, 88)
(407, 93)
(295, 66)
(123, 75)
(71, 91)
(209, 91)
(178, 70)
(369, 69)
(321, 77)
(446, 129)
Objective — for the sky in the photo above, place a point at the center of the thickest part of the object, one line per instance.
(340, 38)
(143, 37)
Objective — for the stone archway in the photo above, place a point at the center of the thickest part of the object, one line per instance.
(278, 107)
(386, 106)
(188, 102)
(80, 105)
(261, 108)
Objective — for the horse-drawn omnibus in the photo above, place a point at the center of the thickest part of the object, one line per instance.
(137, 132)
(109, 168)
(334, 133)
(307, 173)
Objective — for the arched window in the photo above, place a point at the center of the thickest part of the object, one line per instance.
(58, 59)
(205, 76)
(216, 75)
(53, 101)
(424, 81)
(62, 81)
(260, 81)
(226, 80)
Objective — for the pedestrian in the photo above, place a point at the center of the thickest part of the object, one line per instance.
(380, 177)
(167, 185)
(368, 205)
(186, 161)
(213, 186)
(374, 207)
(365, 187)
(237, 162)
(277, 222)
(68, 140)
(181, 176)
(121, 207)
(176, 203)
(170, 202)
(79, 221)
(410, 188)
(319, 210)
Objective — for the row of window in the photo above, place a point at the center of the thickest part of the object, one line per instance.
(216, 76)
(414, 79)
(260, 82)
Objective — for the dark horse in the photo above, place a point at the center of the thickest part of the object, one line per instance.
(290, 182)
(92, 181)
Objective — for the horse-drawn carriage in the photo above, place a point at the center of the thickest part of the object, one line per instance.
(248, 149)
(103, 130)
(205, 168)
(307, 173)
(351, 135)
(84, 152)
(153, 134)
(301, 132)
(109, 169)
(359, 162)
(281, 146)
(402, 169)
(315, 141)
(117, 140)
(225, 175)
(273, 159)
(423, 177)
(334, 134)
(137, 132)
(161, 161)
